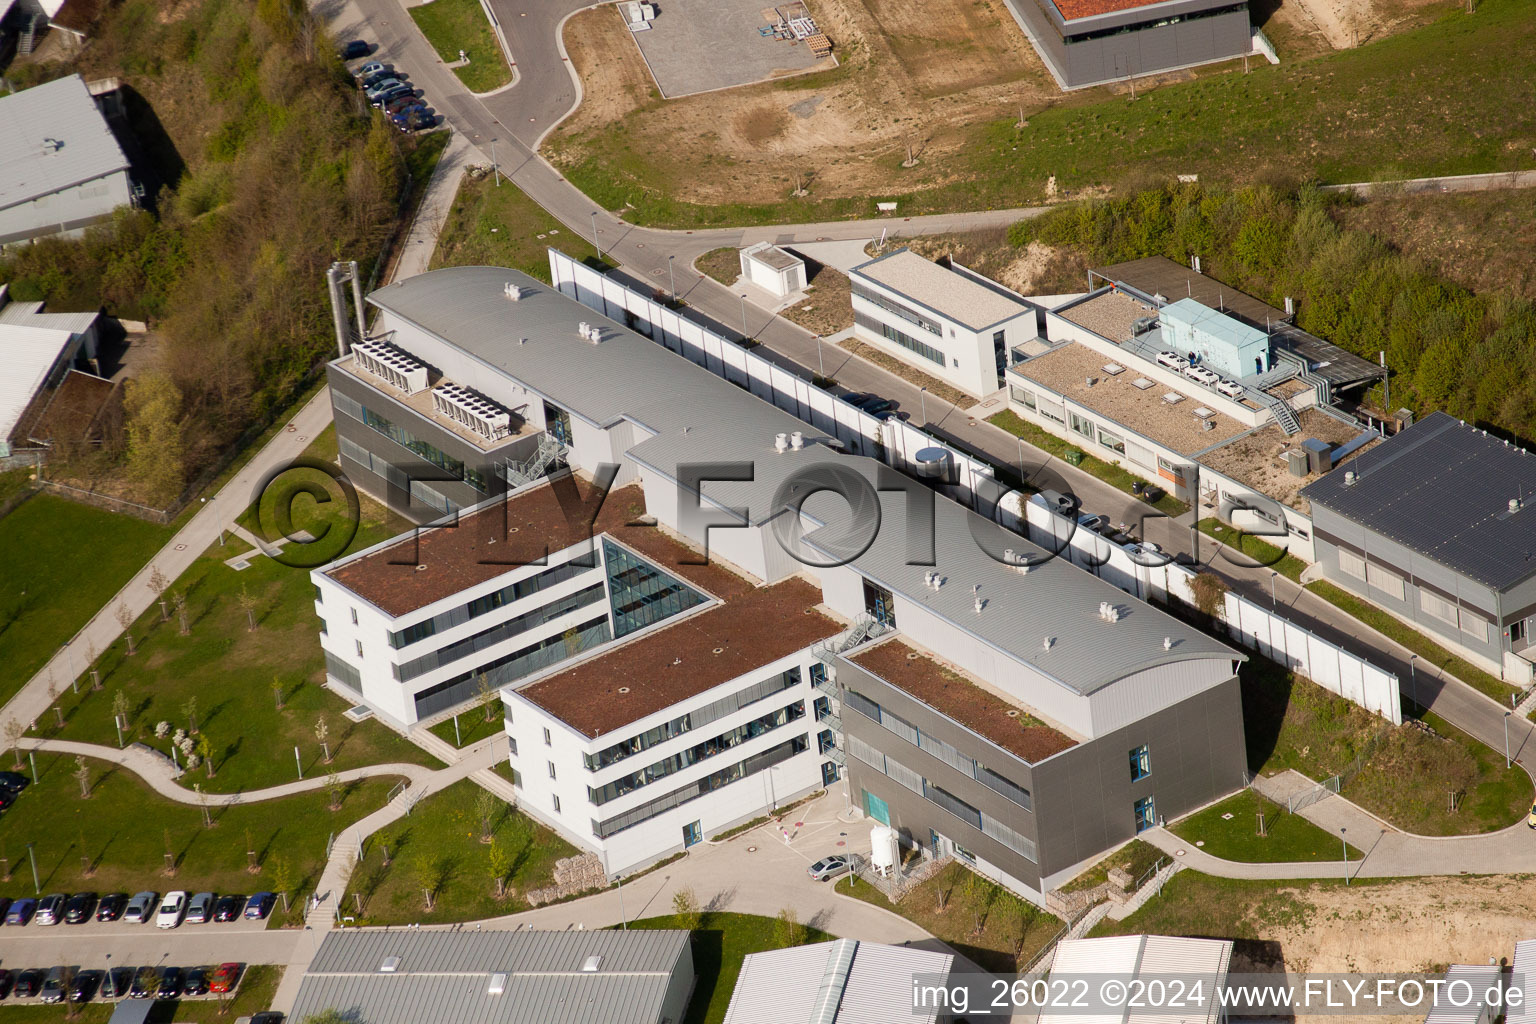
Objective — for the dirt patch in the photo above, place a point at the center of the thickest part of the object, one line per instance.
(762, 123)
(828, 305)
(1346, 23)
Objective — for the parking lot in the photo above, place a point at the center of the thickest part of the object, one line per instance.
(702, 45)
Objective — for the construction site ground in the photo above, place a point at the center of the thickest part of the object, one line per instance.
(697, 46)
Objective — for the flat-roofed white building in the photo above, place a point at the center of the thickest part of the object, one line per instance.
(841, 982)
(954, 325)
(63, 169)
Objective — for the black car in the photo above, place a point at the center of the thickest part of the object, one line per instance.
(872, 404)
(228, 908)
(6, 981)
(84, 987)
(145, 983)
(380, 76)
(267, 1017)
(117, 983)
(79, 908)
(13, 782)
(393, 94)
(6, 799)
(353, 49)
(170, 983)
(111, 906)
(416, 121)
(5, 906)
(196, 983)
(28, 982)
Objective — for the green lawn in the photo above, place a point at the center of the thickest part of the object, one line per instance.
(454, 25)
(980, 919)
(1229, 830)
(231, 669)
(720, 943)
(440, 839)
(1136, 857)
(258, 987)
(472, 726)
(62, 562)
(1290, 722)
(1256, 549)
(1400, 106)
(122, 832)
(1064, 450)
(14, 483)
(1231, 908)
(1417, 642)
(499, 226)
(724, 265)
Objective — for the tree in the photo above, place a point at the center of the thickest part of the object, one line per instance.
(14, 731)
(685, 904)
(157, 449)
(429, 875)
(158, 583)
(180, 600)
(486, 694)
(189, 709)
(322, 730)
(282, 879)
(248, 605)
(205, 751)
(486, 804)
(120, 709)
(787, 929)
(1210, 593)
(500, 859)
(278, 691)
(125, 619)
(327, 1016)
(334, 788)
(82, 775)
(90, 661)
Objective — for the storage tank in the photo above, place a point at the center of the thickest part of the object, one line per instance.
(884, 850)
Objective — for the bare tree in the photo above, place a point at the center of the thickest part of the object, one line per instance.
(125, 619)
(14, 731)
(486, 695)
(278, 691)
(202, 801)
(90, 649)
(685, 904)
(190, 710)
(170, 856)
(251, 866)
(158, 583)
(180, 600)
(323, 730)
(485, 810)
(120, 709)
(82, 775)
(248, 604)
(333, 786)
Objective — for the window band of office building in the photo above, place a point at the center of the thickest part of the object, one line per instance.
(669, 669)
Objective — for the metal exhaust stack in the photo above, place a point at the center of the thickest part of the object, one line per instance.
(337, 274)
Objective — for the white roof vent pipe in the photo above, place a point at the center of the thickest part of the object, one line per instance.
(981, 603)
(781, 442)
(1514, 504)
(514, 291)
(1045, 644)
(1008, 558)
(1349, 478)
(1167, 643)
(797, 440)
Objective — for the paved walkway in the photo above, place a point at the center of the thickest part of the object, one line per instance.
(436, 202)
(161, 776)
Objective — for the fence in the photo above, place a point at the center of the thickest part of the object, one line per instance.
(1328, 787)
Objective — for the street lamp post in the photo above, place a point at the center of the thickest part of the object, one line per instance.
(821, 367)
(1345, 844)
(1508, 763)
(595, 243)
(922, 396)
(672, 276)
(1273, 604)
(217, 517)
(1413, 680)
(37, 887)
(744, 333)
(495, 167)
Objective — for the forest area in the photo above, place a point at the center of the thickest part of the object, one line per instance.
(1472, 355)
(270, 170)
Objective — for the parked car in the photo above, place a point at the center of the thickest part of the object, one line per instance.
(79, 907)
(224, 977)
(21, 911)
(828, 867)
(172, 909)
(1231, 388)
(395, 93)
(418, 120)
(1531, 821)
(872, 404)
(200, 908)
(28, 982)
(6, 799)
(170, 983)
(1202, 374)
(53, 985)
(372, 68)
(50, 908)
(267, 1017)
(145, 983)
(403, 103)
(5, 906)
(141, 907)
(382, 86)
(85, 985)
(111, 906)
(13, 782)
(380, 77)
(227, 908)
(1172, 360)
(259, 906)
(117, 983)
(353, 49)
(196, 983)
(6, 981)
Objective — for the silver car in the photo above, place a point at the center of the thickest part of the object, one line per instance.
(141, 908)
(200, 908)
(828, 867)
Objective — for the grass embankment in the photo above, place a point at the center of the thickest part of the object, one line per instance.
(720, 943)
(1248, 550)
(473, 726)
(1397, 107)
(1195, 904)
(1229, 830)
(1409, 773)
(235, 674)
(454, 25)
(1067, 451)
(499, 226)
(1136, 857)
(437, 847)
(117, 839)
(63, 561)
(979, 918)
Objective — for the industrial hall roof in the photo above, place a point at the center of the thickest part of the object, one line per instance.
(1448, 491)
(55, 139)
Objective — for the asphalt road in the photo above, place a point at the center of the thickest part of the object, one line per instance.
(516, 119)
(112, 945)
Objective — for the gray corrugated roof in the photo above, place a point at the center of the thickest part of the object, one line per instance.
(61, 111)
(845, 981)
(1443, 488)
(444, 976)
(941, 290)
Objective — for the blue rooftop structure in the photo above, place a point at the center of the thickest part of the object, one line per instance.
(1220, 342)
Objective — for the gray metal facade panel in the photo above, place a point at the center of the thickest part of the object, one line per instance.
(1442, 489)
(362, 950)
(1149, 50)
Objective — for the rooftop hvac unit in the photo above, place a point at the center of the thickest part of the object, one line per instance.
(391, 364)
(472, 410)
(1295, 461)
(1319, 455)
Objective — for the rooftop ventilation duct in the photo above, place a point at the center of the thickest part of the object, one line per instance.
(1349, 478)
(797, 440)
(516, 292)
(781, 442)
(1045, 644)
(981, 603)
(1514, 504)
(1167, 643)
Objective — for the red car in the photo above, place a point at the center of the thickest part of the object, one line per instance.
(224, 978)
